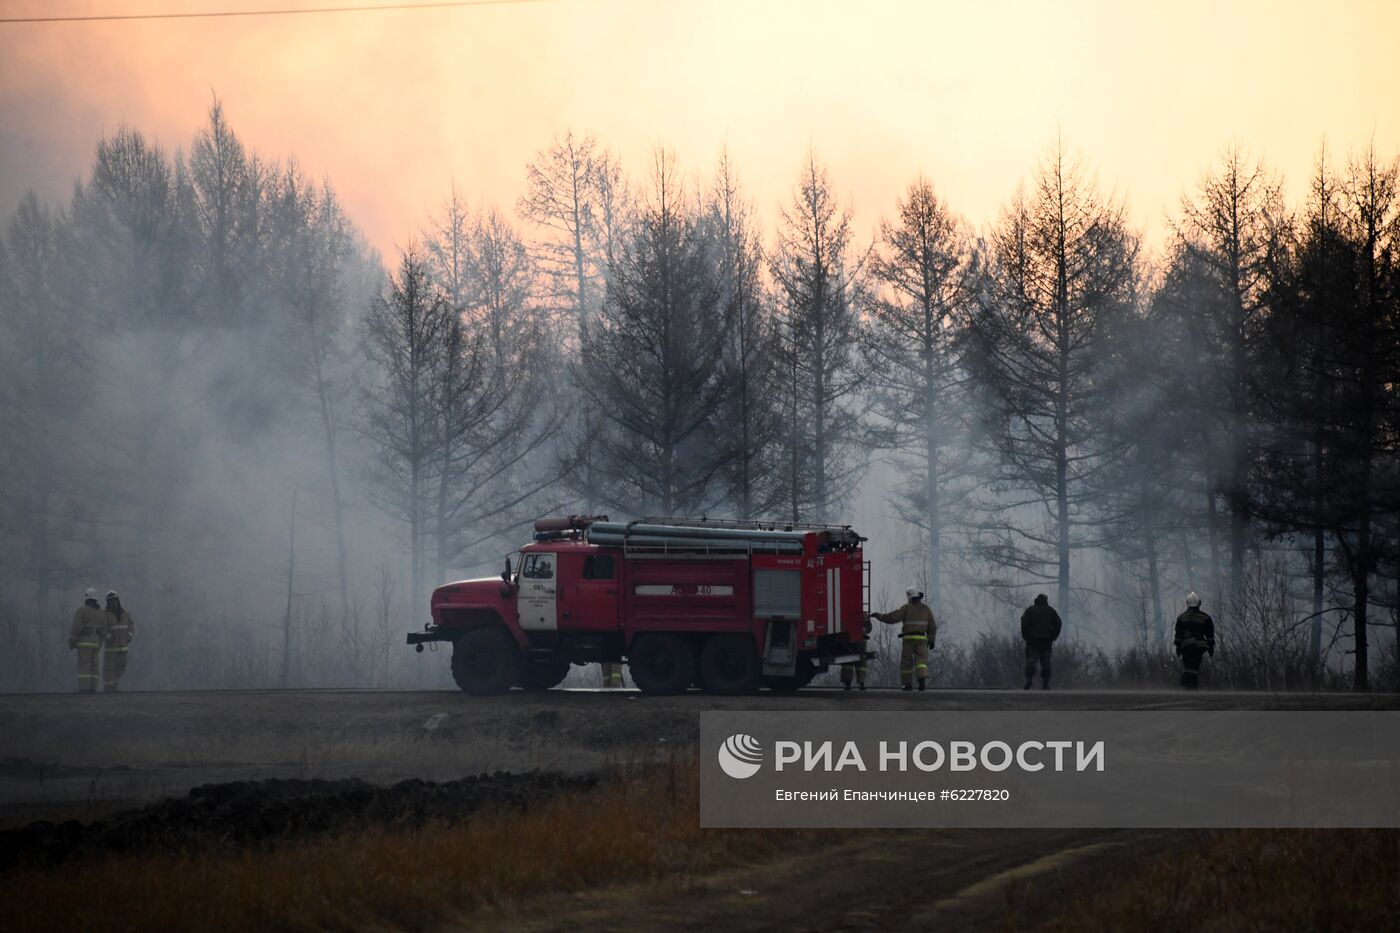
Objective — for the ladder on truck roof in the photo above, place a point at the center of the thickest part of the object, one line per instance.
(741, 525)
(698, 549)
(672, 535)
(867, 581)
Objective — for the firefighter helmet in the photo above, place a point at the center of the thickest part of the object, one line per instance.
(89, 593)
(111, 594)
(913, 593)
(1192, 600)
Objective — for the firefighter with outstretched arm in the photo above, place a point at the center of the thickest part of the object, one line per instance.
(1195, 638)
(916, 637)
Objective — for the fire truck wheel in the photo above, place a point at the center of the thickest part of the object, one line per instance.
(661, 663)
(541, 675)
(729, 664)
(484, 661)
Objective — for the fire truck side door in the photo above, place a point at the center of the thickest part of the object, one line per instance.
(537, 601)
(595, 608)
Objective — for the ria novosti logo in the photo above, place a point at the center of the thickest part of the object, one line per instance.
(741, 756)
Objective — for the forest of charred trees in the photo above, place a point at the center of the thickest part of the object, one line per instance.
(928, 272)
(199, 337)
(1062, 264)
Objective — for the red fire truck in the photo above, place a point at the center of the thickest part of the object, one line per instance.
(727, 606)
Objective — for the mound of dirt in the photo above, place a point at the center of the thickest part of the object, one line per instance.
(255, 813)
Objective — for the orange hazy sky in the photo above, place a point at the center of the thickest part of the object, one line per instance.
(394, 106)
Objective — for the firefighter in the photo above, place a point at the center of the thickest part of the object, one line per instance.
(1040, 626)
(612, 674)
(916, 637)
(120, 633)
(1195, 637)
(85, 637)
(855, 670)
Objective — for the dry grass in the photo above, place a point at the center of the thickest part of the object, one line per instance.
(643, 826)
(1254, 880)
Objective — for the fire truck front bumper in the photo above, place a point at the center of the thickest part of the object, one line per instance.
(432, 633)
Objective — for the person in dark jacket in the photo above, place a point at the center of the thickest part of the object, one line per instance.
(1195, 638)
(1040, 626)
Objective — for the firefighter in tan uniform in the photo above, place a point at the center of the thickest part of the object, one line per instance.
(856, 669)
(916, 637)
(121, 632)
(612, 674)
(85, 636)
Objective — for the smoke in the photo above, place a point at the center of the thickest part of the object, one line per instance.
(181, 408)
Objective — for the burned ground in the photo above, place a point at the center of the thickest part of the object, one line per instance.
(252, 814)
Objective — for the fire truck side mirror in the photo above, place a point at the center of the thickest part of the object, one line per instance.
(505, 574)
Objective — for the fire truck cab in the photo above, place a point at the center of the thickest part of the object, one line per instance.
(726, 606)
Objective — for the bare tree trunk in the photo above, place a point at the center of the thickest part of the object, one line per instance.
(794, 459)
(1149, 546)
(441, 531)
(1361, 562)
(1318, 576)
(1062, 516)
(1361, 579)
(746, 451)
(337, 500)
(1366, 433)
(1212, 526)
(934, 516)
(1239, 506)
(287, 615)
(1319, 555)
(1319, 441)
(1239, 437)
(742, 333)
(43, 573)
(819, 398)
(1062, 414)
(1188, 560)
(580, 276)
(417, 536)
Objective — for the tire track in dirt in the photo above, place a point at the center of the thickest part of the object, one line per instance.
(885, 880)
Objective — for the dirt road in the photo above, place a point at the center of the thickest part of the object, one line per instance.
(951, 880)
(139, 746)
